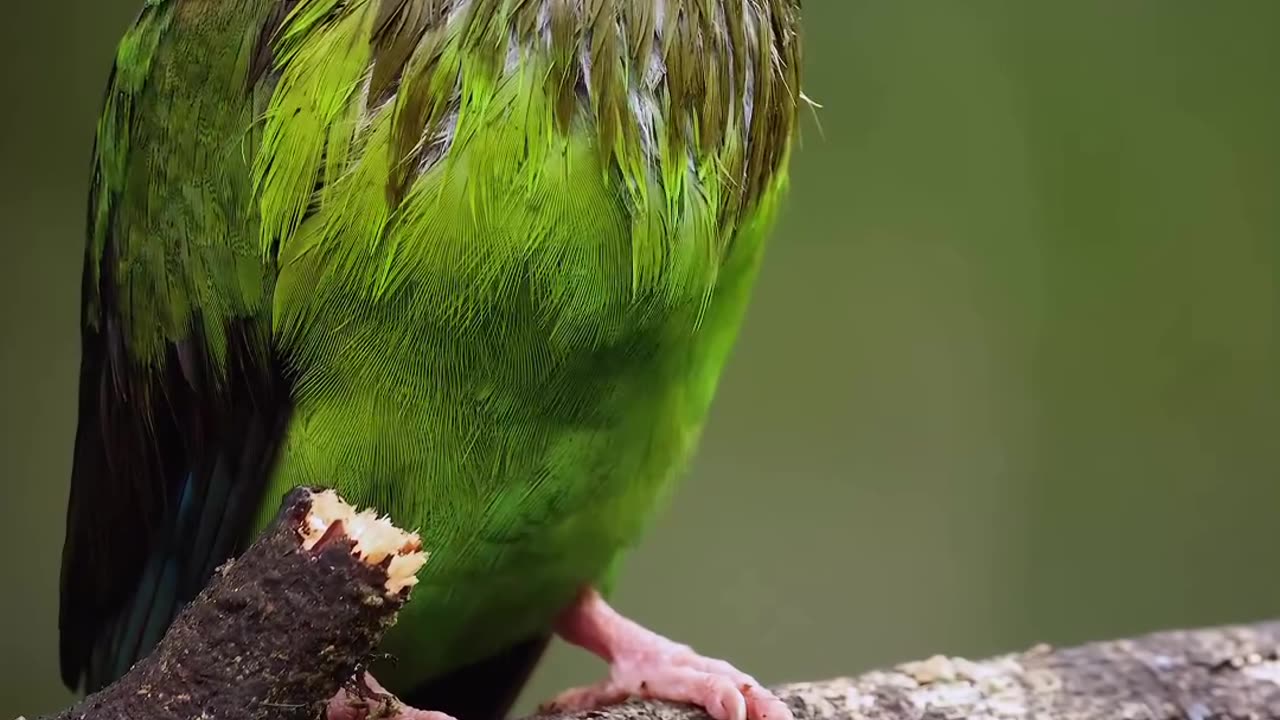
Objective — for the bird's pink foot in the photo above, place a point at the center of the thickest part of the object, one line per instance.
(643, 664)
(368, 700)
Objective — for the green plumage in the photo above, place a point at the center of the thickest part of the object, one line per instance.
(497, 250)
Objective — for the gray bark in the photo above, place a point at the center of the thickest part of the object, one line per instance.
(1229, 673)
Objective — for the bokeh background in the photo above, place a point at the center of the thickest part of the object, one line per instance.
(1012, 373)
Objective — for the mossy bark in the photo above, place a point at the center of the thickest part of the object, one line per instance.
(274, 635)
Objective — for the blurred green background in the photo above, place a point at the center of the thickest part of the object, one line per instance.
(1012, 373)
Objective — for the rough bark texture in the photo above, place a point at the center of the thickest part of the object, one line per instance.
(1227, 673)
(280, 629)
(274, 634)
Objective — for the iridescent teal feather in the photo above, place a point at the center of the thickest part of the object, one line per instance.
(494, 254)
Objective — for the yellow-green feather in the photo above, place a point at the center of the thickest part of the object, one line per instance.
(507, 245)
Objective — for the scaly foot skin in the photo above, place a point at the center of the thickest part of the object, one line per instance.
(368, 700)
(643, 664)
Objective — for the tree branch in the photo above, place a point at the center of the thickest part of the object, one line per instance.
(279, 630)
(1230, 673)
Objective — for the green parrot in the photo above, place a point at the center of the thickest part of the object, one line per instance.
(475, 263)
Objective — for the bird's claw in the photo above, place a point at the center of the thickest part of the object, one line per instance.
(364, 698)
(725, 692)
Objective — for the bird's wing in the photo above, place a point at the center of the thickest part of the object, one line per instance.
(220, 132)
(182, 400)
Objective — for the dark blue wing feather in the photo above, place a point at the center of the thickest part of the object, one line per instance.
(166, 480)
